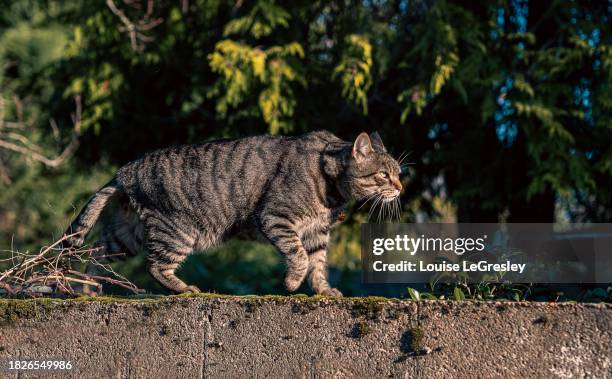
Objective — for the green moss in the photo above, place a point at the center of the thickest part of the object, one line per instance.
(121, 299)
(411, 344)
(416, 340)
(202, 295)
(360, 329)
(393, 313)
(249, 307)
(206, 295)
(373, 299)
(368, 307)
(14, 310)
(148, 309)
(303, 307)
(279, 298)
(371, 310)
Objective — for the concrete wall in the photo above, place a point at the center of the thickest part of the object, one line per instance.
(191, 337)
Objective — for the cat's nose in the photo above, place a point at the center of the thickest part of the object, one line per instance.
(397, 184)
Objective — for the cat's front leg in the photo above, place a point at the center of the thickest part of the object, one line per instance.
(317, 275)
(283, 235)
(317, 264)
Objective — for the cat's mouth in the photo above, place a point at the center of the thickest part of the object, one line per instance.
(390, 195)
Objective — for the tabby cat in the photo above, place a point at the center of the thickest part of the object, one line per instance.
(288, 190)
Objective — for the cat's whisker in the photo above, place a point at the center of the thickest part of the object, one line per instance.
(381, 212)
(376, 202)
(402, 156)
(398, 209)
(384, 211)
(371, 209)
(368, 198)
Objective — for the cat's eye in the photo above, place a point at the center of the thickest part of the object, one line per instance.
(384, 175)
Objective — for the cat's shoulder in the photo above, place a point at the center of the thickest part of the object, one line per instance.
(323, 135)
(318, 140)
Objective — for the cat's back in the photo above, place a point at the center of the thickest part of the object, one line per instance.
(223, 155)
(237, 167)
(216, 159)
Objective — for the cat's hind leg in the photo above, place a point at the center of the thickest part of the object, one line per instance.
(118, 241)
(167, 249)
(163, 266)
(164, 259)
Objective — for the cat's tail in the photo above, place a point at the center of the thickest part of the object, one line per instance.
(79, 228)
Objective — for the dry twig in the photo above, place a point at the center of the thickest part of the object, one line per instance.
(52, 267)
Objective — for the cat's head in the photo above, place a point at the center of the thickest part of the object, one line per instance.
(372, 172)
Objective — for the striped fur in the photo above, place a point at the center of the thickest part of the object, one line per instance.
(290, 190)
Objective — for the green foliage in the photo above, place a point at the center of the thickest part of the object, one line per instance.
(458, 294)
(261, 21)
(513, 292)
(36, 47)
(354, 70)
(437, 49)
(245, 69)
(414, 294)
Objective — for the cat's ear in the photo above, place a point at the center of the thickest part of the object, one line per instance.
(362, 147)
(377, 142)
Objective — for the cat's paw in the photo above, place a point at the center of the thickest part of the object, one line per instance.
(292, 284)
(331, 292)
(192, 289)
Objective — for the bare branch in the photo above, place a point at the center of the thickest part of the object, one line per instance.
(52, 267)
(19, 143)
(135, 29)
